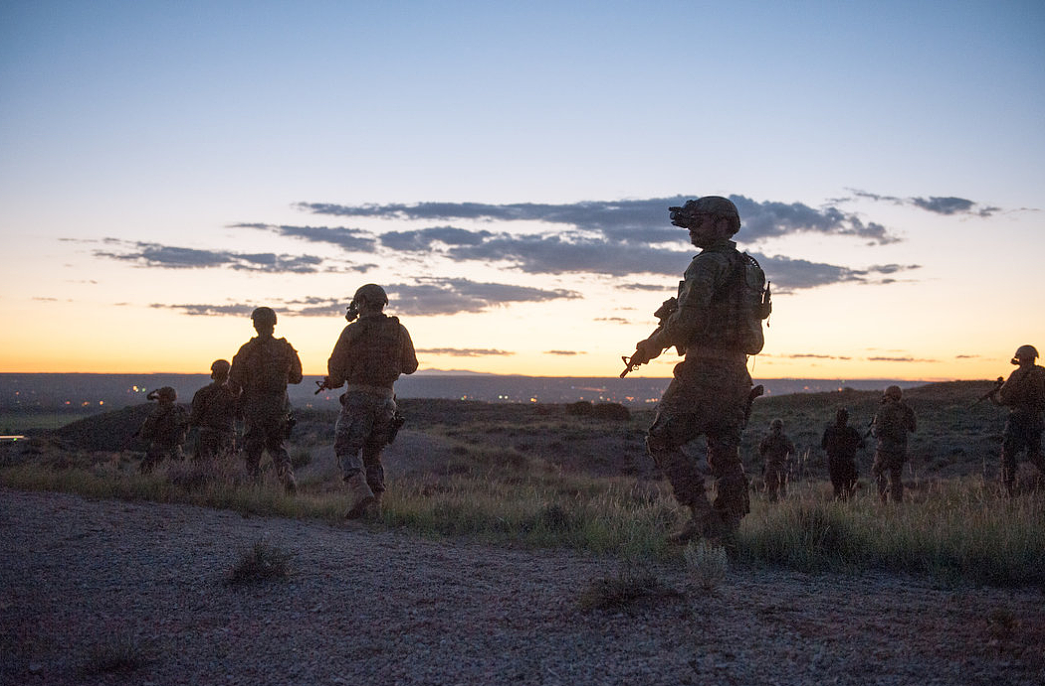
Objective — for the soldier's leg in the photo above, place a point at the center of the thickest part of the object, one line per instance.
(375, 472)
(663, 443)
(731, 501)
(353, 427)
(878, 469)
(253, 446)
(772, 481)
(849, 477)
(835, 472)
(896, 481)
(1009, 450)
(275, 443)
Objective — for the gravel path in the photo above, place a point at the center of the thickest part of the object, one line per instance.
(366, 606)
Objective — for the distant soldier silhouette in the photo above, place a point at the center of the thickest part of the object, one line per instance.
(165, 429)
(841, 442)
(369, 355)
(776, 450)
(893, 421)
(214, 411)
(1024, 394)
(716, 322)
(261, 371)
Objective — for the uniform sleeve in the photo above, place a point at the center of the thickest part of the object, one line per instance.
(702, 278)
(408, 361)
(238, 373)
(337, 365)
(912, 422)
(294, 375)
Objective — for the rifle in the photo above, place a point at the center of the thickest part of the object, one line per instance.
(666, 309)
(998, 383)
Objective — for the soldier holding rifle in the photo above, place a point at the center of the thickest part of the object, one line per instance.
(717, 323)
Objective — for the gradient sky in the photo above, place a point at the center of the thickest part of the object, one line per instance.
(504, 170)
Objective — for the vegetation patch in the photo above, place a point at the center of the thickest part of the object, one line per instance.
(630, 589)
(261, 563)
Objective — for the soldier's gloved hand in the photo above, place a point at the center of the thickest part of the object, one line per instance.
(644, 352)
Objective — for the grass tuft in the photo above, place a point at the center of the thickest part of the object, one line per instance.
(261, 563)
(707, 564)
(630, 587)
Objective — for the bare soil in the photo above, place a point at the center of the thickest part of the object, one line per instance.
(83, 579)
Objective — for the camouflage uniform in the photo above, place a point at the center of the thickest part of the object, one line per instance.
(841, 442)
(709, 394)
(893, 421)
(214, 411)
(776, 449)
(369, 355)
(1024, 393)
(165, 430)
(261, 371)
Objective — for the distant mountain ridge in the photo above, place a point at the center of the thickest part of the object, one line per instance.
(87, 393)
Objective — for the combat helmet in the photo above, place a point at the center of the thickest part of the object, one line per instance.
(220, 368)
(776, 424)
(894, 392)
(714, 205)
(372, 294)
(163, 393)
(1025, 352)
(264, 316)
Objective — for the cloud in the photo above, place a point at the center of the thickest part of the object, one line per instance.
(898, 359)
(945, 205)
(351, 240)
(437, 296)
(423, 239)
(642, 221)
(567, 353)
(464, 352)
(424, 297)
(154, 255)
(814, 356)
(791, 274)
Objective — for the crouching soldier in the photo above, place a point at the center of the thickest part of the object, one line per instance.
(214, 411)
(369, 356)
(165, 429)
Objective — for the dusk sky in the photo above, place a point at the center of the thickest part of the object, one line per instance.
(504, 171)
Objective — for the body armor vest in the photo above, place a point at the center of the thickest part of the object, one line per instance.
(376, 352)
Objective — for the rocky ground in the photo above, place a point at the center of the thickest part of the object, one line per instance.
(84, 581)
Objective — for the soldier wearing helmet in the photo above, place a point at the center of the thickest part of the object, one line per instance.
(260, 373)
(1024, 394)
(776, 449)
(710, 393)
(841, 442)
(165, 429)
(215, 409)
(893, 421)
(371, 353)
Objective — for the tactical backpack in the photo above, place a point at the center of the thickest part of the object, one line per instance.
(739, 307)
(269, 365)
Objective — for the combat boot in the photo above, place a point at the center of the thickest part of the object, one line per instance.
(362, 496)
(703, 523)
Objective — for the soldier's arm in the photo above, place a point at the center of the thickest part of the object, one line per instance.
(408, 360)
(703, 276)
(238, 372)
(294, 375)
(337, 365)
